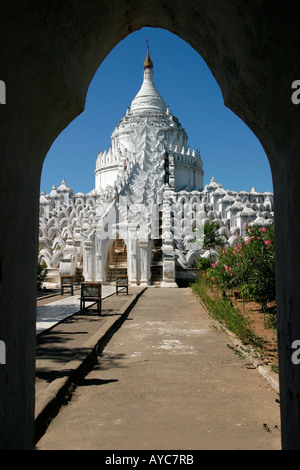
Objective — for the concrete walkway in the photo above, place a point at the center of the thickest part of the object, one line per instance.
(67, 349)
(168, 380)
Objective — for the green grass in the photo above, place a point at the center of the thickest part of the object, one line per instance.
(224, 311)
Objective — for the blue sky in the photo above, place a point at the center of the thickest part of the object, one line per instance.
(229, 149)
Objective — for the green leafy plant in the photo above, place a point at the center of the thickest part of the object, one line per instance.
(41, 275)
(212, 239)
(203, 264)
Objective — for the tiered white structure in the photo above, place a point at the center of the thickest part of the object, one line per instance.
(149, 198)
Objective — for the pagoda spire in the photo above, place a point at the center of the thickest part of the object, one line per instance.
(148, 96)
(148, 62)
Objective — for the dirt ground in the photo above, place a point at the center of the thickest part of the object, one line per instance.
(259, 324)
(268, 335)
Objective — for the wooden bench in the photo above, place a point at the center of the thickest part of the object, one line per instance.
(66, 282)
(121, 282)
(91, 292)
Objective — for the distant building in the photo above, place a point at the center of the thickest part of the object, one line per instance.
(148, 206)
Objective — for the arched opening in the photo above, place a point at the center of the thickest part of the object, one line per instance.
(230, 151)
(234, 41)
(116, 260)
(208, 124)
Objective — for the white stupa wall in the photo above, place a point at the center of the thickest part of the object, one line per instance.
(188, 178)
(105, 177)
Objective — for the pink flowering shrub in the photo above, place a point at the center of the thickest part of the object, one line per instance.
(249, 266)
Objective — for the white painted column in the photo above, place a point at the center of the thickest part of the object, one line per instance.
(168, 248)
(132, 255)
(88, 260)
(144, 252)
(99, 256)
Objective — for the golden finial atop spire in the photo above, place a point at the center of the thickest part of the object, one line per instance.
(148, 62)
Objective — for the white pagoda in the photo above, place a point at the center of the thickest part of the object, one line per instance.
(148, 204)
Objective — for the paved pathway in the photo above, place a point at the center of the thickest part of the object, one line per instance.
(168, 380)
(49, 314)
(73, 337)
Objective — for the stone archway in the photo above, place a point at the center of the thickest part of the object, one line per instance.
(116, 260)
(49, 54)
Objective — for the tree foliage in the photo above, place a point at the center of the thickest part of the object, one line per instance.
(41, 275)
(212, 238)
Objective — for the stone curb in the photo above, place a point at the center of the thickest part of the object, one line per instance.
(50, 400)
(257, 362)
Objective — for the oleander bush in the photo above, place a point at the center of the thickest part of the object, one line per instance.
(248, 268)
